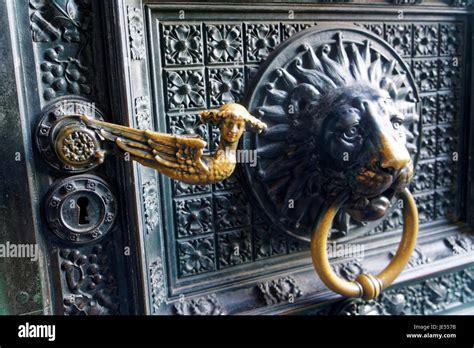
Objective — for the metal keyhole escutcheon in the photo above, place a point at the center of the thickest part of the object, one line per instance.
(80, 209)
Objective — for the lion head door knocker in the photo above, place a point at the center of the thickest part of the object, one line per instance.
(341, 143)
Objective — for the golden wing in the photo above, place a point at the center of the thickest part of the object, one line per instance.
(177, 156)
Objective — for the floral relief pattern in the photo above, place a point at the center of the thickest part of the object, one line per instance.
(399, 37)
(206, 305)
(451, 39)
(224, 43)
(446, 140)
(183, 44)
(349, 270)
(448, 108)
(426, 74)
(185, 89)
(226, 85)
(449, 73)
(424, 177)
(194, 216)
(445, 174)
(280, 290)
(232, 210)
(426, 209)
(188, 124)
(429, 108)
(428, 143)
(441, 140)
(429, 297)
(196, 256)
(426, 40)
(234, 248)
(268, 242)
(444, 203)
(262, 39)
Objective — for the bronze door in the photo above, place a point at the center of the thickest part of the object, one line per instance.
(135, 241)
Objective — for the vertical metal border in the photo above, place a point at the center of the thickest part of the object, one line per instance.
(470, 124)
(19, 219)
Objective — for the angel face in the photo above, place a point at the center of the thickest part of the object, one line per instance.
(363, 135)
(232, 129)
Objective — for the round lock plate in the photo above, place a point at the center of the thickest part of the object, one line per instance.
(63, 141)
(80, 209)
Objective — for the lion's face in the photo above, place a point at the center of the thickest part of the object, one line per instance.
(363, 137)
(342, 118)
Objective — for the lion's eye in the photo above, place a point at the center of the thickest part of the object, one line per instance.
(397, 123)
(351, 133)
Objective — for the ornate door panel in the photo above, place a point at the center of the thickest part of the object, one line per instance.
(217, 246)
(166, 247)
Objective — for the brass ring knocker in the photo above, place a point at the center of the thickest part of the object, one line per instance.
(366, 286)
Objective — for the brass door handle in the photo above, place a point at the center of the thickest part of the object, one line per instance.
(366, 286)
(78, 142)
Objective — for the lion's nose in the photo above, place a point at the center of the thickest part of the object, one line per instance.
(393, 155)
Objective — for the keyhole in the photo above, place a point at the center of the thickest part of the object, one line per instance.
(82, 204)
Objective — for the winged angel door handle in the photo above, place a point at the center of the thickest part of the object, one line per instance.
(71, 138)
(341, 143)
(181, 157)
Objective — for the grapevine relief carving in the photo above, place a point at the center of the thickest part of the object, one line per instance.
(64, 66)
(91, 288)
